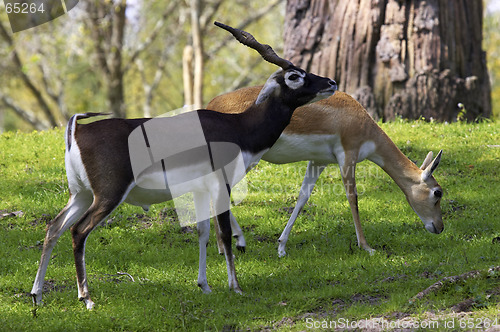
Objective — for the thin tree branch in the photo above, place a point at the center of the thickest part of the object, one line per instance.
(175, 87)
(152, 37)
(94, 16)
(241, 80)
(208, 13)
(118, 274)
(45, 81)
(26, 115)
(26, 79)
(453, 280)
(156, 79)
(252, 18)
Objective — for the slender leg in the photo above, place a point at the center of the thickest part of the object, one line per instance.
(220, 244)
(203, 235)
(97, 212)
(221, 196)
(347, 171)
(312, 174)
(225, 228)
(202, 206)
(237, 234)
(76, 207)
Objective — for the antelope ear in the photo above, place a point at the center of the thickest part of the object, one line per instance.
(269, 88)
(427, 161)
(427, 173)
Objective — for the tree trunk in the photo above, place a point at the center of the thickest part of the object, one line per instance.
(198, 54)
(187, 75)
(398, 58)
(106, 21)
(1, 121)
(116, 97)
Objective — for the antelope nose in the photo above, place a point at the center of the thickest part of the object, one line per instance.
(438, 229)
(333, 84)
(434, 229)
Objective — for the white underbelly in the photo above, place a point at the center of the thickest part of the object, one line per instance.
(295, 147)
(146, 197)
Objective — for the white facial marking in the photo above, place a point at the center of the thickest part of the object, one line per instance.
(432, 195)
(294, 79)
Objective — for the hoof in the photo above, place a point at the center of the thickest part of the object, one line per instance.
(281, 250)
(37, 299)
(240, 242)
(241, 248)
(370, 250)
(205, 289)
(89, 304)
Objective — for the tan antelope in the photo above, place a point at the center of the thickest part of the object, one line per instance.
(101, 158)
(339, 130)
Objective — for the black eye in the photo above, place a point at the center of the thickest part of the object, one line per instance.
(438, 193)
(293, 77)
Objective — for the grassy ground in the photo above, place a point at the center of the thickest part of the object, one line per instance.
(324, 281)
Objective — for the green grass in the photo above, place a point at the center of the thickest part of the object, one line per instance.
(324, 277)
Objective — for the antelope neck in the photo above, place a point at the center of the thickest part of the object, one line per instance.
(401, 169)
(258, 128)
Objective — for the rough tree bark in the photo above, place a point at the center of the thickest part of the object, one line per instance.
(409, 58)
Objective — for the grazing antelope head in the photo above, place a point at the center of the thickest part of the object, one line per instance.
(425, 196)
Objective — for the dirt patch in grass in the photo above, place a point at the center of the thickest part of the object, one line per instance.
(339, 305)
(43, 220)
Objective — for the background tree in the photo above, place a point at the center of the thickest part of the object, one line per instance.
(194, 56)
(398, 58)
(125, 57)
(32, 75)
(106, 22)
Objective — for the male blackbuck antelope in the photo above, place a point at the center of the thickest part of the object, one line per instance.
(100, 169)
(339, 130)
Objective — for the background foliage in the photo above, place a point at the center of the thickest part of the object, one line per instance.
(61, 58)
